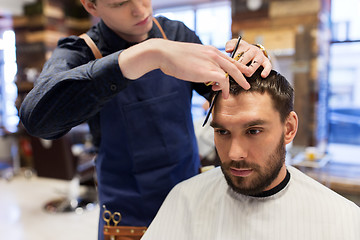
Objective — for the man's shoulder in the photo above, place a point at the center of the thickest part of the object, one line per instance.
(199, 192)
(318, 193)
(205, 180)
(205, 177)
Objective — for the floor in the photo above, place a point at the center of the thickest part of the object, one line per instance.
(22, 214)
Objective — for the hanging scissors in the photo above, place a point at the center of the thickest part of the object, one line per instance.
(109, 217)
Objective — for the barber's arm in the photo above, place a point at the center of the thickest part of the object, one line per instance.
(192, 62)
(70, 89)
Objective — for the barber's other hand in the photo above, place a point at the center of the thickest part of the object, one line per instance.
(253, 55)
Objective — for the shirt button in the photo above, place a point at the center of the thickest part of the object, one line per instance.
(113, 87)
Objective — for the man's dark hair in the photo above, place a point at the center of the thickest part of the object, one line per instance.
(276, 85)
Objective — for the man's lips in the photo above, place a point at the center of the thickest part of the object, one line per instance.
(142, 22)
(241, 172)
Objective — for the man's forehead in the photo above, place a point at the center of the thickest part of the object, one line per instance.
(244, 101)
(248, 108)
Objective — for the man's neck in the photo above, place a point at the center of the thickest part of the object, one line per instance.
(277, 188)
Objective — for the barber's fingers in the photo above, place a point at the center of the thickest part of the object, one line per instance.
(247, 56)
(230, 68)
(267, 68)
(252, 55)
(223, 87)
(237, 75)
(250, 64)
(230, 45)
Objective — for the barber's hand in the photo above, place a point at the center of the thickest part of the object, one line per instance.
(194, 62)
(186, 61)
(251, 54)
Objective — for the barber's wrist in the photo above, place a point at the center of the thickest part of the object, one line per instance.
(262, 48)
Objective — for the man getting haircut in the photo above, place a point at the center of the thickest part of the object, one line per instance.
(254, 194)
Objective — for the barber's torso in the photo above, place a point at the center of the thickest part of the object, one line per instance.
(147, 137)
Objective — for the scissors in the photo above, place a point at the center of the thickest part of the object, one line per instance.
(236, 58)
(108, 217)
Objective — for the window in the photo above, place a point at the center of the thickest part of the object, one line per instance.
(8, 91)
(344, 81)
(212, 23)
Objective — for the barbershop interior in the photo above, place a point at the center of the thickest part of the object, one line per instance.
(48, 187)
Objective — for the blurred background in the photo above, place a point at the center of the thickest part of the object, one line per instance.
(315, 44)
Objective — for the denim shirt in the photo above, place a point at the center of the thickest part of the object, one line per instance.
(143, 128)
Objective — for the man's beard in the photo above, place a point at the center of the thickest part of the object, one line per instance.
(264, 176)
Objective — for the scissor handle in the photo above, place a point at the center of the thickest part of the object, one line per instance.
(116, 218)
(107, 217)
(238, 56)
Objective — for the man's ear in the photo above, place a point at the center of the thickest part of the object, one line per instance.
(90, 7)
(291, 125)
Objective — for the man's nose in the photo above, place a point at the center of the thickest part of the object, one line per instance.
(238, 150)
(138, 8)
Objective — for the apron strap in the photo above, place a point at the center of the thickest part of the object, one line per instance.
(160, 28)
(95, 50)
(91, 45)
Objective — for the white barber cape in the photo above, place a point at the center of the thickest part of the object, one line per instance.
(204, 207)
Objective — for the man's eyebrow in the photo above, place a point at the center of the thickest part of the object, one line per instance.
(246, 125)
(215, 125)
(255, 123)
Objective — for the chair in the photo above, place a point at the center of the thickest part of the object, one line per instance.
(57, 159)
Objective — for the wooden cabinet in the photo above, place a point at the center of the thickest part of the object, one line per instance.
(37, 33)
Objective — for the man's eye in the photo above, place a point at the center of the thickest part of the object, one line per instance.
(119, 4)
(254, 131)
(221, 132)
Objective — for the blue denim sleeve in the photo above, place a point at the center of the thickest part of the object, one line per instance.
(68, 93)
